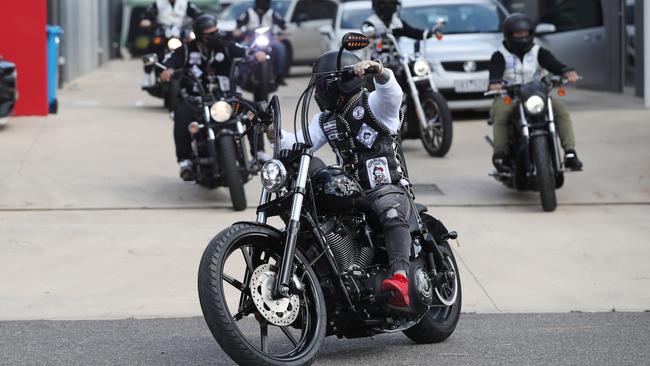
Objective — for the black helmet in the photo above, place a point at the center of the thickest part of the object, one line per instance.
(202, 23)
(329, 92)
(385, 8)
(263, 5)
(335, 191)
(517, 22)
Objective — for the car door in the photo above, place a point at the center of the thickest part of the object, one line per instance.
(307, 17)
(579, 39)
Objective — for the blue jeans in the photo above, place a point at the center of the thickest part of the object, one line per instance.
(278, 56)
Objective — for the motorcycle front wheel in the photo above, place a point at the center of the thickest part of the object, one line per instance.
(436, 136)
(228, 159)
(544, 173)
(235, 277)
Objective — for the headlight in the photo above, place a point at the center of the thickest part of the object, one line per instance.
(420, 67)
(535, 104)
(273, 175)
(261, 41)
(221, 111)
(174, 43)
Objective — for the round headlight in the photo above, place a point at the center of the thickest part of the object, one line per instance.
(221, 111)
(535, 104)
(273, 175)
(261, 41)
(420, 67)
(174, 43)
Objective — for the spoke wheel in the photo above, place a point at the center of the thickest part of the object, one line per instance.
(436, 136)
(232, 268)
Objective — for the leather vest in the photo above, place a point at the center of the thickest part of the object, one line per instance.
(365, 148)
(521, 72)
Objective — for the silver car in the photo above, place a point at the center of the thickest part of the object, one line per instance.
(303, 17)
(460, 59)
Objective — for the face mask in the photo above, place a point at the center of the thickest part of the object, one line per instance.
(386, 11)
(212, 40)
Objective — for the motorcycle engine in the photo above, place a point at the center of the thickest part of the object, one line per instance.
(343, 239)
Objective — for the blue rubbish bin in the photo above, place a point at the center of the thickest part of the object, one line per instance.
(54, 34)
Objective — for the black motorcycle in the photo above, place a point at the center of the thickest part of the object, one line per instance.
(164, 41)
(8, 93)
(270, 296)
(253, 76)
(427, 114)
(534, 161)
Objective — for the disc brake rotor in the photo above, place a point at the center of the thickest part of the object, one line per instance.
(280, 312)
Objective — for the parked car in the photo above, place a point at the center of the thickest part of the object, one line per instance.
(303, 17)
(460, 60)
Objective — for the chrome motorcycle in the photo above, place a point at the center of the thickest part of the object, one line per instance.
(426, 111)
(270, 295)
(534, 161)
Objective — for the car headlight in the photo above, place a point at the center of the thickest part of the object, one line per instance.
(420, 67)
(261, 41)
(174, 43)
(221, 111)
(273, 175)
(535, 104)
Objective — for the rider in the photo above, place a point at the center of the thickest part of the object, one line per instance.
(385, 18)
(520, 60)
(262, 15)
(207, 55)
(170, 13)
(362, 129)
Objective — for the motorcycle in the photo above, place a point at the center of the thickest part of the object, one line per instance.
(219, 152)
(270, 296)
(534, 161)
(427, 113)
(166, 39)
(258, 77)
(8, 93)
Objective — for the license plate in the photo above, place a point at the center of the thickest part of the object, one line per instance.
(470, 86)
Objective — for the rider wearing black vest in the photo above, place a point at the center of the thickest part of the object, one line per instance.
(362, 129)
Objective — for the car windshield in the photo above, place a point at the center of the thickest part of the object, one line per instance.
(235, 10)
(461, 18)
(352, 19)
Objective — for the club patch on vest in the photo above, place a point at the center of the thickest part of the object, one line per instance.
(330, 130)
(219, 57)
(367, 135)
(358, 113)
(378, 172)
(195, 58)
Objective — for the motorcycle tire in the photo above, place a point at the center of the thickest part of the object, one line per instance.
(261, 93)
(440, 321)
(436, 143)
(242, 345)
(228, 161)
(544, 173)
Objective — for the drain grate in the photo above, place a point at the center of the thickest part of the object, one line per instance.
(427, 188)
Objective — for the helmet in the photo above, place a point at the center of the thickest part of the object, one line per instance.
(385, 8)
(517, 22)
(334, 190)
(330, 92)
(263, 5)
(203, 22)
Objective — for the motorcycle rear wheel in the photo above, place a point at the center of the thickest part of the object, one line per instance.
(228, 159)
(440, 321)
(436, 137)
(294, 344)
(544, 173)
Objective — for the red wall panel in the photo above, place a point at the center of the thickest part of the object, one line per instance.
(22, 41)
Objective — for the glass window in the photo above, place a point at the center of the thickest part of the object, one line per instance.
(314, 10)
(461, 18)
(568, 15)
(235, 10)
(353, 19)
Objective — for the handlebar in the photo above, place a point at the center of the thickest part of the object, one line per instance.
(552, 81)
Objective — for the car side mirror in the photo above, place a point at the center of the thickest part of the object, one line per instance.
(545, 28)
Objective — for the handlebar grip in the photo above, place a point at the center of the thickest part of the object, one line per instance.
(372, 70)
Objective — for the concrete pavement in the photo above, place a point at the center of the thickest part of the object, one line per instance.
(95, 223)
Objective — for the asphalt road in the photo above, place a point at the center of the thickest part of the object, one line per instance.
(480, 339)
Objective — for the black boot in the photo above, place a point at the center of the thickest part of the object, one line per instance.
(571, 160)
(500, 162)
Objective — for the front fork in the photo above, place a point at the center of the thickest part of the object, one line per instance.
(552, 131)
(415, 94)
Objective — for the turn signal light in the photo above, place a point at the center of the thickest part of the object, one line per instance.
(507, 100)
(194, 128)
(561, 92)
(157, 40)
(439, 35)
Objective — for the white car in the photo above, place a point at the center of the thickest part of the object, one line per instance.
(460, 60)
(303, 17)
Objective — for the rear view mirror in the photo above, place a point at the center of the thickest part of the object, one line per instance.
(354, 41)
(545, 28)
(369, 30)
(149, 59)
